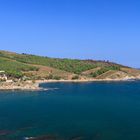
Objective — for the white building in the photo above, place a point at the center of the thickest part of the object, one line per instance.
(3, 76)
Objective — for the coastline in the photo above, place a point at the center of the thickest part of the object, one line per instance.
(87, 80)
(35, 86)
(27, 86)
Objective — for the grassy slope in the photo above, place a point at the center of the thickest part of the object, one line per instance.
(14, 68)
(74, 66)
(48, 73)
(64, 68)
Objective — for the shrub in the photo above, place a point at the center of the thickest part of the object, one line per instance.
(75, 77)
(57, 77)
(50, 76)
(14, 74)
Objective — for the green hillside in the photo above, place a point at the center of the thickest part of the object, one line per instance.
(70, 65)
(18, 65)
(14, 68)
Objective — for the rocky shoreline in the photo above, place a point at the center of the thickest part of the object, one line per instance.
(34, 86)
(28, 85)
(89, 80)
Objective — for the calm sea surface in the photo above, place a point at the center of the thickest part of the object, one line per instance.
(73, 111)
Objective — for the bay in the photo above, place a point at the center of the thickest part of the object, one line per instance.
(72, 111)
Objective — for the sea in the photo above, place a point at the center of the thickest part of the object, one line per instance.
(72, 111)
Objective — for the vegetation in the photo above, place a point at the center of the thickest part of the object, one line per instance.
(75, 77)
(56, 77)
(74, 66)
(14, 68)
(36, 67)
(105, 69)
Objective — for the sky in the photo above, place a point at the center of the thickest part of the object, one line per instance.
(83, 29)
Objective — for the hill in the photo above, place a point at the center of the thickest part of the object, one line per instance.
(32, 67)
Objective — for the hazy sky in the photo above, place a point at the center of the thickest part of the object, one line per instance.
(95, 29)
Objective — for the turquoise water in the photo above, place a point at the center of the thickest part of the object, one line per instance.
(73, 111)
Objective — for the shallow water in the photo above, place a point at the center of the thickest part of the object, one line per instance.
(73, 111)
